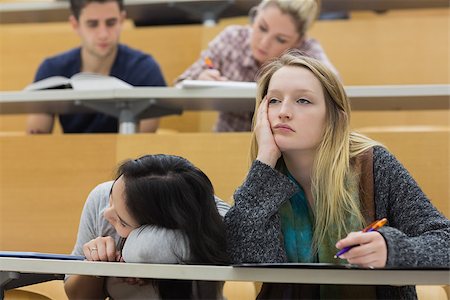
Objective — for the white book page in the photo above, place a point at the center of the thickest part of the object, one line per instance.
(89, 81)
(191, 84)
(49, 83)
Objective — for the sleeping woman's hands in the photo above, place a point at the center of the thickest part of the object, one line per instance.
(104, 249)
(101, 249)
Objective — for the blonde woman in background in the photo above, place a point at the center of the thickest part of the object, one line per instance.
(313, 185)
(238, 52)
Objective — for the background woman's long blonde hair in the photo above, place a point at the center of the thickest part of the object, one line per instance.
(334, 185)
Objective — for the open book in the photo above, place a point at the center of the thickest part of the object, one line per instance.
(191, 84)
(79, 81)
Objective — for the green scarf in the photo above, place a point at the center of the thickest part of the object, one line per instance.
(297, 226)
(297, 223)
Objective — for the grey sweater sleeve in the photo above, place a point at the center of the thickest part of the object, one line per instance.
(152, 244)
(417, 233)
(252, 224)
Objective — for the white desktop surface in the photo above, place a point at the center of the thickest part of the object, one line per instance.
(228, 273)
(131, 105)
(389, 97)
(67, 100)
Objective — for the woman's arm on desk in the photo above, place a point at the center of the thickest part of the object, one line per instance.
(92, 227)
(418, 234)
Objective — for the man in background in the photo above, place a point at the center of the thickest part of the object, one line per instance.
(98, 24)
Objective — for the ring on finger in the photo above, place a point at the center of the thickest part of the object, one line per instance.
(93, 249)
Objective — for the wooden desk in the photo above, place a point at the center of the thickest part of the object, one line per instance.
(127, 105)
(130, 105)
(15, 266)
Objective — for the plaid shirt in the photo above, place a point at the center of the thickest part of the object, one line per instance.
(231, 54)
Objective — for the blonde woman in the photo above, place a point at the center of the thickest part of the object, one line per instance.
(314, 184)
(238, 52)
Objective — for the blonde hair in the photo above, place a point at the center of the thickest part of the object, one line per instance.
(303, 12)
(334, 185)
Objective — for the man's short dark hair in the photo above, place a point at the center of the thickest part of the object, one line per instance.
(77, 5)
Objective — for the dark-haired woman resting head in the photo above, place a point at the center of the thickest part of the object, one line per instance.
(160, 209)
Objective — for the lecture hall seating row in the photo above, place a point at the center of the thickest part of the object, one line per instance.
(44, 180)
(368, 49)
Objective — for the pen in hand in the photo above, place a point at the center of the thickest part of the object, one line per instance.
(372, 227)
(211, 73)
(209, 63)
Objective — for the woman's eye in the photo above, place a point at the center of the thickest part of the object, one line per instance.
(281, 40)
(271, 101)
(303, 101)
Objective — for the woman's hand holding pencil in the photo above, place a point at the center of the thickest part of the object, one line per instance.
(366, 248)
(210, 72)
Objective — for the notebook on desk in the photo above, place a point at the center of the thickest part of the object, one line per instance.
(39, 255)
(193, 84)
(296, 265)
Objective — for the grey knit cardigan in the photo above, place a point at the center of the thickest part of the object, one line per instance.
(417, 235)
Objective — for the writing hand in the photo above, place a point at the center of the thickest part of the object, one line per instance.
(100, 249)
(211, 74)
(370, 252)
(268, 151)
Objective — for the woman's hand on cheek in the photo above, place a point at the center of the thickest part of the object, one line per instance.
(100, 249)
(268, 151)
(370, 250)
